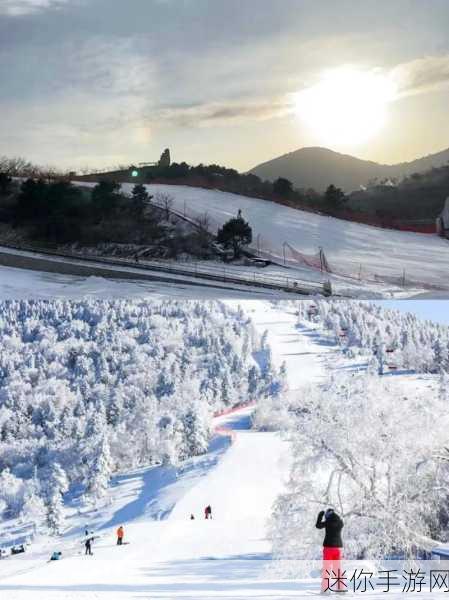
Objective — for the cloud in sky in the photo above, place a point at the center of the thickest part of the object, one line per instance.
(210, 114)
(421, 75)
(418, 76)
(16, 8)
(83, 75)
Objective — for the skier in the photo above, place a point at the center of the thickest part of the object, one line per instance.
(192, 517)
(332, 550)
(88, 545)
(120, 535)
(208, 512)
(56, 556)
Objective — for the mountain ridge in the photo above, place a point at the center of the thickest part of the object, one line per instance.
(317, 167)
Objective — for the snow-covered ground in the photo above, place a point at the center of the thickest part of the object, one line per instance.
(169, 555)
(23, 283)
(347, 245)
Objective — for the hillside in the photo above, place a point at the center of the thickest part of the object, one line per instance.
(419, 197)
(319, 167)
(91, 388)
(357, 250)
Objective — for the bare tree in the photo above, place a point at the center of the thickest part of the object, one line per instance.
(203, 223)
(166, 202)
(20, 167)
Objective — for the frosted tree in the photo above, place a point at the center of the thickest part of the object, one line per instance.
(384, 478)
(12, 493)
(54, 484)
(98, 455)
(197, 429)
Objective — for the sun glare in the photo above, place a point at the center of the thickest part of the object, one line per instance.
(347, 106)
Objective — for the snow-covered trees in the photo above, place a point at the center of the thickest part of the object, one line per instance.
(398, 340)
(372, 448)
(98, 454)
(12, 493)
(88, 388)
(54, 484)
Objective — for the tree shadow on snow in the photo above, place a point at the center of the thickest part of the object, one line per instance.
(156, 479)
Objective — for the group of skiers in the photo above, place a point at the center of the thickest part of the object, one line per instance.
(328, 520)
(207, 513)
(332, 523)
(89, 539)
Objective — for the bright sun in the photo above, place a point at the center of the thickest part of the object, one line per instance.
(347, 106)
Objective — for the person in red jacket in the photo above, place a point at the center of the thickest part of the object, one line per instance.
(120, 535)
(332, 551)
(208, 512)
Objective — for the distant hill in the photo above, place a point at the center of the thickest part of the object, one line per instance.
(319, 167)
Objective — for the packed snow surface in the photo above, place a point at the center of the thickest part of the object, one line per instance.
(169, 554)
(347, 245)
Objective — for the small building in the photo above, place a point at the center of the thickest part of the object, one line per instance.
(443, 221)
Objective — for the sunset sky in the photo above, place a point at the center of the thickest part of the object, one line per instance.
(106, 82)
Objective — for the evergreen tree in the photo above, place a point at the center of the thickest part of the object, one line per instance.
(334, 197)
(105, 198)
(99, 456)
(283, 187)
(140, 198)
(235, 234)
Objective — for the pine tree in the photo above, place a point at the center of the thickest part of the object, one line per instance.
(100, 469)
(98, 455)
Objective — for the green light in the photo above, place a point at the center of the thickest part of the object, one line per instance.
(135, 173)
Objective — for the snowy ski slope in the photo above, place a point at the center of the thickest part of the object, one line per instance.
(347, 245)
(170, 556)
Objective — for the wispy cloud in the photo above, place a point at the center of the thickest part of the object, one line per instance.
(418, 76)
(203, 115)
(421, 75)
(17, 8)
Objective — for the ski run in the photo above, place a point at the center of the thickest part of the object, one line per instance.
(166, 553)
(365, 261)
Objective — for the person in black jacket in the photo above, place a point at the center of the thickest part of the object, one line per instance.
(88, 546)
(332, 551)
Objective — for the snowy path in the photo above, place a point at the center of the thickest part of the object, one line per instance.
(304, 352)
(26, 284)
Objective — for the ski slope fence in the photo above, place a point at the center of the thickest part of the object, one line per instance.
(225, 431)
(354, 271)
(229, 411)
(227, 275)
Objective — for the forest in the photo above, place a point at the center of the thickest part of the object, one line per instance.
(91, 388)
